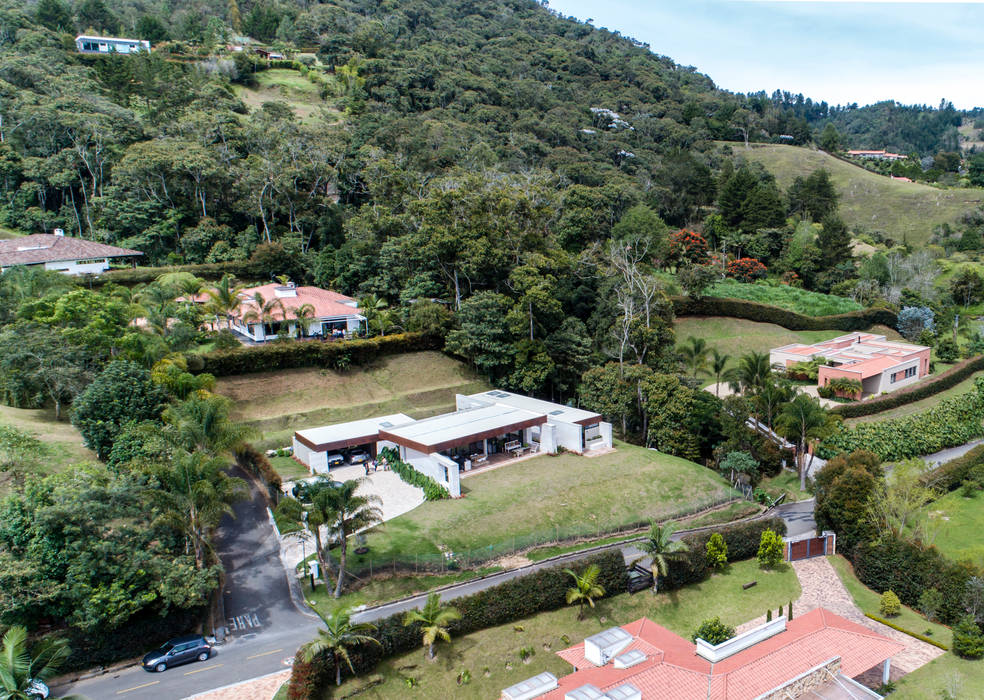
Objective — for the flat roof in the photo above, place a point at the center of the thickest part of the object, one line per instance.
(341, 435)
(553, 411)
(461, 427)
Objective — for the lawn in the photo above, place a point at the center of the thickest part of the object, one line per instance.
(903, 210)
(278, 403)
(918, 406)
(61, 438)
(491, 657)
(960, 522)
(785, 482)
(284, 85)
(785, 297)
(947, 676)
(288, 469)
(549, 498)
(868, 600)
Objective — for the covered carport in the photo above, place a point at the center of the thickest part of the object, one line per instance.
(312, 446)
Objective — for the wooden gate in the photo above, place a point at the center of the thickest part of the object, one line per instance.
(810, 547)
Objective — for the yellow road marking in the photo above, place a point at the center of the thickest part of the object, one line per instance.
(199, 670)
(137, 687)
(256, 656)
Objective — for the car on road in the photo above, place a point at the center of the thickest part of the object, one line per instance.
(178, 651)
(358, 456)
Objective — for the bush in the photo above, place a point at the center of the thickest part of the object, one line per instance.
(746, 269)
(312, 353)
(433, 491)
(968, 642)
(770, 551)
(799, 301)
(256, 463)
(889, 605)
(713, 631)
(752, 311)
(930, 601)
(539, 591)
(947, 350)
(145, 275)
(717, 552)
(953, 474)
(923, 389)
(920, 637)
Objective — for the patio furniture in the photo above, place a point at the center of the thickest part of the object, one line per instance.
(513, 446)
(479, 459)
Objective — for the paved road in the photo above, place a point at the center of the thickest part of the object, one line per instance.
(951, 453)
(265, 628)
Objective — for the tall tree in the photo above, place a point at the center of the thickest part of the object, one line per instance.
(338, 636)
(802, 420)
(694, 354)
(719, 369)
(834, 242)
(352, 512)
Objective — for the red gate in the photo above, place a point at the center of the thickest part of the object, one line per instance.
(807, 547)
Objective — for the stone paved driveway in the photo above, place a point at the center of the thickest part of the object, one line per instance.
(822, 587)
(263, 688)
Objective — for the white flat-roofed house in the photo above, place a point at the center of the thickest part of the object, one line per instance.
(110, 44)
(268, 310)
(311, 447)
(60, 253)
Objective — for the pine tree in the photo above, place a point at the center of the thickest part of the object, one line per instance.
(834, 242)
(234, 17)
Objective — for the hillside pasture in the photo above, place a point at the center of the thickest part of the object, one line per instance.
(872, 202)
(62, 441)
(785, 297)
(276, 404)
(284, 85)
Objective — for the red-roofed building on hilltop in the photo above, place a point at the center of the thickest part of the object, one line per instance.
(271, 309)
(816, 655)
(60, 253)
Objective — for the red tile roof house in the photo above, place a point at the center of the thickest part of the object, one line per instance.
(816, 655)
(60, 253)
(329, 314)
(880, 365)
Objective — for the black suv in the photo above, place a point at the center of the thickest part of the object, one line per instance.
(178, 651)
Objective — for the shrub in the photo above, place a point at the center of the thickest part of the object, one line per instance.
(717, 552)
(947, 350)
(968, 642)
(951, 475)
(930, 601)
(845, 388)
(713, 631)
(312, 353)
(746, 269)
(770, 551)
(889, 605)
(145, 275)
(826, 392)
(753, 311)
(913, 320)
(921, 637)
(768, 615)
(433, 491)
(256, 463)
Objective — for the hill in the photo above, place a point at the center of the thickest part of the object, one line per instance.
(903, 210)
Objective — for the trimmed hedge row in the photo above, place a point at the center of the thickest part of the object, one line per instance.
(336, 354)
(753, 311)
(922, 390)
(920, 637)
(743, 543)
(951, 475)
(908, 568)
(145, 275)
(521, 597)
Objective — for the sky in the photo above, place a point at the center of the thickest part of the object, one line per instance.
(840, 51)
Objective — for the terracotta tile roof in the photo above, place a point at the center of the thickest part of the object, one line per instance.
(326, 303)
(674, 671)
(46, 247)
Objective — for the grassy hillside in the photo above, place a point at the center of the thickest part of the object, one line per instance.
(872, 202)
(278, 403)
(785, 297)
(284, 85)
(62, 440)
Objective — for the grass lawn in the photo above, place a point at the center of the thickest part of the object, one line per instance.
(288, 469)
(868, 200)
(960, 523)
(918, 406)
(284, 85)
(785, 297)
(61, 438)
(278, 403)
(548, 498)
(785, 482)
(868, 600)
(960, 678)
(8, 233)
(491, 657)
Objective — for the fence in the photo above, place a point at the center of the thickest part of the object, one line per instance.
(368, 565)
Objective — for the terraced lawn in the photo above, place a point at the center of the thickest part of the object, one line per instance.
(961, 521)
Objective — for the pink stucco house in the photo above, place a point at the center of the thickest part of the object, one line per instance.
(880, 365)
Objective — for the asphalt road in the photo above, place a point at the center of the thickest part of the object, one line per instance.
(266, 628)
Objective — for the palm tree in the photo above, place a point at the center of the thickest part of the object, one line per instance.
(338, 636)
(753, 372)
(224, 298)
(21, 667)
(195, 493)
(202, 422)
(352, 512)
(770, 397)
(660, 545)
(320, 512)
(720, 370)
(304, 315)
(803, 419)
(694, 355)
(434, 620)
(370, 305)
(585, 589)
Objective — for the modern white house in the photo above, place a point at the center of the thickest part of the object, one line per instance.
(60, 253)
(271, 309)
(109, 44)
(487, 428)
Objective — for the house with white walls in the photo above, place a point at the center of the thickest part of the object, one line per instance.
(297, 312)
(60, 253)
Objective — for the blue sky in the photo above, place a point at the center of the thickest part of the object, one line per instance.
(838, 51)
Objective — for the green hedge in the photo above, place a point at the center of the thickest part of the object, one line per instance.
(433, 491)
(909, 568)
(145, 275)
(521, 597)
(752, 311)
(920, 637)
(917, 392)
(951, 475)
(336, 354)
(953, 421)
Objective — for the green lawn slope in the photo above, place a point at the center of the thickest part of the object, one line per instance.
(867, 200)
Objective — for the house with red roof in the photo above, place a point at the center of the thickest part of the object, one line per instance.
(880, 365)
(271, 309)
(60, 253)
(816, 655)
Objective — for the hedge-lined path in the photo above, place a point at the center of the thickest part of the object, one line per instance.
(822, 587)
(951, 453)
